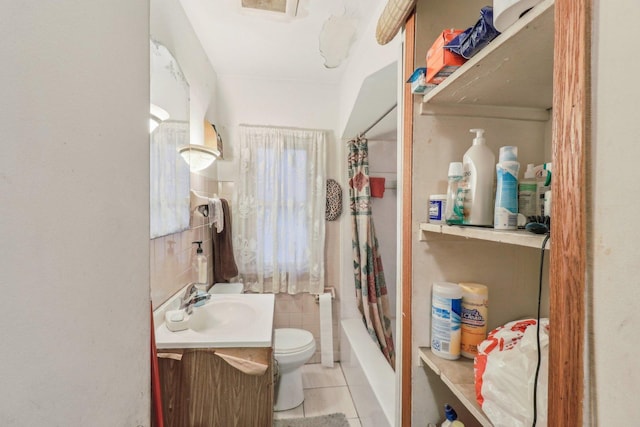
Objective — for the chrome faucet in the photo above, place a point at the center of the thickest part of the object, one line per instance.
(191, 297)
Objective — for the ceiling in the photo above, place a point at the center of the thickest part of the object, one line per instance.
(241, 42)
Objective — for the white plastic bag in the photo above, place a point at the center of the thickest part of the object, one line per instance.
(504, 373)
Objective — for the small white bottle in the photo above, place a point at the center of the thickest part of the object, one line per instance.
(201, 265)
(527, 192)
(543, 177)
(454, 212)
(506, 208)
(547, 203)
(478, 165)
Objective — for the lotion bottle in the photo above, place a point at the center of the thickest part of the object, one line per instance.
(478, 166)
(201, 265)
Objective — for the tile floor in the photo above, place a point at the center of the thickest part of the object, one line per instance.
(325, 392)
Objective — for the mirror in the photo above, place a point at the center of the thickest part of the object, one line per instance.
(169, 133)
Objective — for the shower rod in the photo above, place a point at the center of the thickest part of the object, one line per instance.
(378, 121)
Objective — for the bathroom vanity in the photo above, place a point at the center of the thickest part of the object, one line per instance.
(219, 371)
(199, 388)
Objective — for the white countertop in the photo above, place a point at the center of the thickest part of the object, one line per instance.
(224, 321)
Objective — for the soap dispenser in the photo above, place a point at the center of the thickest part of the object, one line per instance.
(201, 264)
(478, 166)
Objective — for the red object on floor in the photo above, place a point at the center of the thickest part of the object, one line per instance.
(377, 187)
(155, 380)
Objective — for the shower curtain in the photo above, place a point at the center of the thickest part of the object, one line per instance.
(371, 289)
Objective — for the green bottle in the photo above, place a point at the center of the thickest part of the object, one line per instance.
(454, 211)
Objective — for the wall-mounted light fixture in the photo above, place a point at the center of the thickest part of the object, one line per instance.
(157, 116)
(198, 157)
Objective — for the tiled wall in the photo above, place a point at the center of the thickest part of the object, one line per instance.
(172, 258)
(302, 312)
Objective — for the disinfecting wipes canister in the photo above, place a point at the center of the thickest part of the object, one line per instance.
(475, 307)
(446, 306)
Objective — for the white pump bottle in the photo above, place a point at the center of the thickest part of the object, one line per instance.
(478, 166)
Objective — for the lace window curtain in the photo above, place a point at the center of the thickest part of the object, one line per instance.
(280, 231)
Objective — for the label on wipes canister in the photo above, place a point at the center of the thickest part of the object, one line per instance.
(474, 323)
(445, 326)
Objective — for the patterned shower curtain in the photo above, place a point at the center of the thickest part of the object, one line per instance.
(371, 288)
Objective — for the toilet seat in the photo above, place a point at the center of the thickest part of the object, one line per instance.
(290, 340)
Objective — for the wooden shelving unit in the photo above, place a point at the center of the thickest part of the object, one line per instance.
(458, 376)
(511, 78)
(510, 237)
(515, 69)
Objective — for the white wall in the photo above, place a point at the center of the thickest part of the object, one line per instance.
(256, 101)
(74, 215)
(615, 270)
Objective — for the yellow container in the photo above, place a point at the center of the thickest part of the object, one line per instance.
(475, 308)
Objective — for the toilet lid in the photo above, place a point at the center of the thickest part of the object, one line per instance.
(289, 340)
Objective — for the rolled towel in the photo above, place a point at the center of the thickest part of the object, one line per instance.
(216, 214)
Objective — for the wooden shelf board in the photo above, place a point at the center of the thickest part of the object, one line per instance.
(510, 237)
(458, 376)
(515, 69)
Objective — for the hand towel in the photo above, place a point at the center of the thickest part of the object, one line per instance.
(377, 187)
(216, 215)
(224, 264)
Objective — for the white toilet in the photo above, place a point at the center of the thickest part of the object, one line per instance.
(292, 348)
(227, 288)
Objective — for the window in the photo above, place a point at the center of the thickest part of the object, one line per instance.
(290, 231)
(279, 236)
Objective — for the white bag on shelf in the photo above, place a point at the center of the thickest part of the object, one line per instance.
(504, 373)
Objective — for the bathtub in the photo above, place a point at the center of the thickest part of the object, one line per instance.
(370, 378)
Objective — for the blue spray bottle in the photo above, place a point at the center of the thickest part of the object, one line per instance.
(505, 216)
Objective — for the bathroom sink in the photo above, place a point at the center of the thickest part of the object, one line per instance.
(225, 320)
(222, 314)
